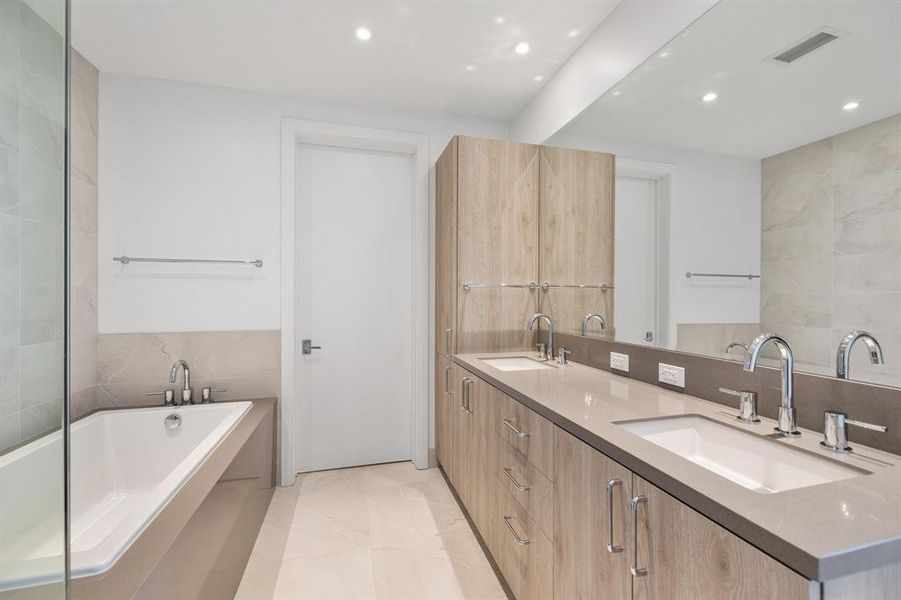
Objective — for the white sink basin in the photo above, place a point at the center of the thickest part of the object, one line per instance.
(759, 464)
(517, 363)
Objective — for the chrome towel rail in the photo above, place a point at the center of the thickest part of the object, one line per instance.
(531, 285)
(130, 259)
(603, 286)
(749, 276)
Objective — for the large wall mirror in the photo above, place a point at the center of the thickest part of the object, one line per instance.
(758, 184)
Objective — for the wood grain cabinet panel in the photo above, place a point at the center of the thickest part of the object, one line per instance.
(689, 556)
(525, 554)
(577, 233)
(584, 568)
(528, 433)
(497, 242)
(446, 249)
(527, 485)
(444, 400)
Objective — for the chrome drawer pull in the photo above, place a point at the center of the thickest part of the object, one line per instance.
(519, 540)
(508, 471)
(522, 434)
(465, 402)
(633, 506)
(611, 547)
(448, 342)
(447, 377)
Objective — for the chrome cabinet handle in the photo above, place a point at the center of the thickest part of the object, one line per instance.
(465, 400)
(517, 432)
(611, 547)
(519, 540)
(448, 341)
(633, 506)
(508, 471)
(447, 377)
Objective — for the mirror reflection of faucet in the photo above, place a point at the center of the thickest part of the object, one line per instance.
(843, 356)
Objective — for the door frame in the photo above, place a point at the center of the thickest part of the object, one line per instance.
(295, 132)
(662, 174)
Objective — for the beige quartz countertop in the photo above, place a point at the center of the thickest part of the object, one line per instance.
(822, 531)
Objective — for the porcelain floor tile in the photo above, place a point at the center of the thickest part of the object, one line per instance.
(386, 532)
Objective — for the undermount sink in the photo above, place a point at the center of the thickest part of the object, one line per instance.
(759, 464)
(516, 363)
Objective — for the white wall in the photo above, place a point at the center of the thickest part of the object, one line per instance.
(193, 170)
(714, 227)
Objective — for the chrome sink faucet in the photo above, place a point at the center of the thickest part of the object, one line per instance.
(549, 349)
(843, 357)
(587, 319)
(187, 392)
(788, 423)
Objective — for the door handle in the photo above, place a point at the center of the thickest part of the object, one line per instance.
(611, 547)
(307, 347)
(633, 506)
(465, 403)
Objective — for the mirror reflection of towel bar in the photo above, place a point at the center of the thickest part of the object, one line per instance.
(582, 286)
(129, 259)
(531, 285)
(749, 276)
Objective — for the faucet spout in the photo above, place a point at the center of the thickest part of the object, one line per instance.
(550, 331)
(788, 423)
(187, 392)
(843, 358)
(587, 319)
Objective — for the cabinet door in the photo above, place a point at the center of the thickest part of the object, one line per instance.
(444, 404)
(497, 242)
(446, 249)
(576, 234)
(591, 545)
(686, 555)
(462, 424)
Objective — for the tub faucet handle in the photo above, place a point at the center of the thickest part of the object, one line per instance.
(168, 396)
(206, 395)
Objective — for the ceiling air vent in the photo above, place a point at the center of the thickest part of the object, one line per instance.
(805, 46)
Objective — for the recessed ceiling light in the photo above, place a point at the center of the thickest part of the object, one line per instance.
(363, 33)
(617, 92)
(664, 54)
(851, 105)
(710, 96)
(573, 33)
(500, 20)
(522, 48)
(470, 67)
(538, 77)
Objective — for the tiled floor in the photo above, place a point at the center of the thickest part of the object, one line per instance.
(379, 532)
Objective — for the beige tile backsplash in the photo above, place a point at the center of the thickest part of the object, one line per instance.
(130, 365)
(831, 247)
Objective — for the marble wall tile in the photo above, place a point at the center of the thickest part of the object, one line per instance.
(129, 366)
(41, 374)
(9, 248)
(711, 339)
(9, 382)
(849, 269)
(9, 179)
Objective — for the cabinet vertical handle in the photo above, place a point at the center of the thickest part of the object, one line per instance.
(519, 540)
(465, 400)
(633, 506)
(448, 341)
(611, 547)
(447, 377)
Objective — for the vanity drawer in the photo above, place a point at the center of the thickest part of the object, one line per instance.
(528, 433)
(525, 554)
(527, 485)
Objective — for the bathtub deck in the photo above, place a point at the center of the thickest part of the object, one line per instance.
(385, 531)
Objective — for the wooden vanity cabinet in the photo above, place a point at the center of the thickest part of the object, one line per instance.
(686, 555)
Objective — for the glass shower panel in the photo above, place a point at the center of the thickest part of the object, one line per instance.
(33, 49)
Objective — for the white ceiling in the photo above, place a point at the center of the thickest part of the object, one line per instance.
(415, 60)
(763, 107)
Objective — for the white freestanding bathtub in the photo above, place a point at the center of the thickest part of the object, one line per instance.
(125, 466)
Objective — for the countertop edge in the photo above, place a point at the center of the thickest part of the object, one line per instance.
(812, 567)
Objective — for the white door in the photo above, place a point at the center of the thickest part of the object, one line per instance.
(635, 261)
(355, 291)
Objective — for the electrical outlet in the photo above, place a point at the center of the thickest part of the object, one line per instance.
(671, 375)
(620, 362)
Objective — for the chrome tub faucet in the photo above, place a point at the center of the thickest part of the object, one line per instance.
(186, 393)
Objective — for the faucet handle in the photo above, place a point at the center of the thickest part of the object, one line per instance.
(542, 350)
(835, 430)
(168, 396)
(206, 395)
(747, 404)
(561, 355)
